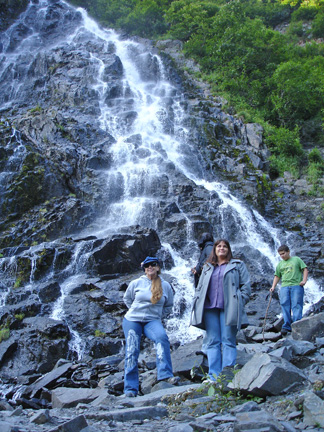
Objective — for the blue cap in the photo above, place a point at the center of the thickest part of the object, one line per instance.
(150, 260)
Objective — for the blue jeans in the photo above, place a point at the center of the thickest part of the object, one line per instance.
(291, 300)
(155, 331)
(220, 341)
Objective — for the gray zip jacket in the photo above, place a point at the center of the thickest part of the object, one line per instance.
(237, 291)
(138, 300)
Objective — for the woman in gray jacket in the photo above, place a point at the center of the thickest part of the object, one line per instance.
(149, 299)
(218, 307)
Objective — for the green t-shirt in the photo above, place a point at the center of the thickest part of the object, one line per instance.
(291, 271)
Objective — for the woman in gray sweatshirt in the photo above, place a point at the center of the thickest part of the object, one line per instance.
(149, 299)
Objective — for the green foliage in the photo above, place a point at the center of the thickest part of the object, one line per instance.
(4, 330)
(304, 13)
(314, 156)
(296, 29)
(315, 171)
(4, 334)
(293, 83)
(224, 398)
(110, 11)
(318, 25)
(146, 19)
(18, 282)
(286, 149)
(187, 17)
(241, 54)
(26, 188)
(37, 109)
(271, 13)
(99, 333)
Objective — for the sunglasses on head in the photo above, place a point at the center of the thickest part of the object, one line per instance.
(152, 264)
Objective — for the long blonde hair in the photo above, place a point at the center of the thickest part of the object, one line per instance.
(156, 288)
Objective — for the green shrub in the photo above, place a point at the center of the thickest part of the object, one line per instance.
(287, 151)
(315, 172)
(271, 13)
(146, 19)
(284, 141)
(293, 83)
(314, 156)
(304, 14)
(99, 333)
(4, 334)
(318, 25)
(280, 164)
(186, 17)
(296, 29)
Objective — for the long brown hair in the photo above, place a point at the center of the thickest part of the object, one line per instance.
(156, 288)
(212, 259)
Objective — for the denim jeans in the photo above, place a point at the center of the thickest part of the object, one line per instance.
(220, 341)
(155, 331)
(291, 302)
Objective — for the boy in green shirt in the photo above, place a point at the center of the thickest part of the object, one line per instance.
(293, 274)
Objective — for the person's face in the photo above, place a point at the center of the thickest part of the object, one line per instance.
(221, 250)
(284, 255)
(151, 270)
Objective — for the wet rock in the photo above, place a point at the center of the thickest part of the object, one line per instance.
(123, 253)
(308, 328)
(63, 397)
(185, 359)
(138, 413)
(5, 406)
(77, 424)
(49, 292)
(41, 417)
(7, 427)
(313, 410)
(257, 420)
(266, 375)
(298, 347)
(47, 380)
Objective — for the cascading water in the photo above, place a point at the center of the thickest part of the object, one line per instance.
(145, 116)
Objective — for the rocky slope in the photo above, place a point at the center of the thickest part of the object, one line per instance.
(278, 386)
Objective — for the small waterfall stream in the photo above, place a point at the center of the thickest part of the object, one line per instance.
(146, 118)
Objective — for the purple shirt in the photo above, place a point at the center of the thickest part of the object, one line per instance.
(215, 292)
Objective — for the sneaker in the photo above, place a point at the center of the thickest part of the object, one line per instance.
(129, 394)
(173, 380)
(209, 381)
(284, 331)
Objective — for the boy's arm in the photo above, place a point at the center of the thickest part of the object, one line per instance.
(305, 275)
(276, 279)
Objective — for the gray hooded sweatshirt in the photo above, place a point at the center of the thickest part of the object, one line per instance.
(138, 300)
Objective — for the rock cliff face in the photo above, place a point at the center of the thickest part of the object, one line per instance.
(108, 153)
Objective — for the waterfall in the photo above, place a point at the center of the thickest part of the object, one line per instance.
(137, 167)
(152, 154)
